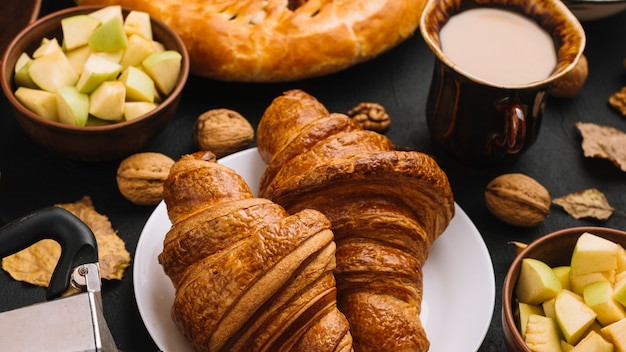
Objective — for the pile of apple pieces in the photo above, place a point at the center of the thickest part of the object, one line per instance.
(579, 307)
(106, 69)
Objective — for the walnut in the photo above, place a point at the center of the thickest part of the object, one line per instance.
(568, 85)
(518, 200)
(140, 177)
(618, 101)
(371, 116)
(222, 131)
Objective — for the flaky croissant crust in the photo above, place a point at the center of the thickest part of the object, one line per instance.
(386, 207)
(248, 276)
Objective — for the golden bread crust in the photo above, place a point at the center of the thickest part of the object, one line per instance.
(266, 41)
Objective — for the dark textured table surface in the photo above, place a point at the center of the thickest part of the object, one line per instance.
(31, 178)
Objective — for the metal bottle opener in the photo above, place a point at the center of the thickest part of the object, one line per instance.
(72, 317)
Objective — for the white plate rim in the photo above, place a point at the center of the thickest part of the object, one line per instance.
(471, 284)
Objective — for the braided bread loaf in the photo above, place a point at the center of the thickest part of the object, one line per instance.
(281, 40)
(248, 276)
(386, 207)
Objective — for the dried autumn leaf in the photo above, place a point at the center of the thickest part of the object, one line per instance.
(36, 263)
(590, 203)
(519, 246)
(604, 142)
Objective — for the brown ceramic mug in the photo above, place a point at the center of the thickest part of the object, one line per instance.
(481, 123)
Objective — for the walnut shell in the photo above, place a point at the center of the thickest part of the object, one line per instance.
(140, 177)
(222, 131)
(518, 200)
(568, 85)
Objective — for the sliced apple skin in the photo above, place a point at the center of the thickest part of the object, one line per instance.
(22, 77)
(138, 50)
(593, 253)
(52, 71)
(109, 36)
(107, 101)
(572, 315)
(164, 69)
(542, 334)
(72, 106)
(96, 71)
(593, 342)
(138, 22)
(139, 86)
(107, 13)
(599, 297)
(39, 101)
(537, 282)
(77, 29)
(616, 334)
(135, 109)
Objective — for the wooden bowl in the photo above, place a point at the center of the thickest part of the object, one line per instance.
(555, 249)
(89, 143)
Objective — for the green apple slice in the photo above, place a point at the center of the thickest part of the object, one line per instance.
(619, 291)
(548, 308)
(96, 71)
(525, 310)
(139, 48)
(22, 77)
(78, 57)
(593, 342)
(134, 109)
(52, 71)
(107, 101)
(599, 297)
(578, 282)
(621, 259)
(113, 56)
(72, 106)
(537, 282)
(139, 86)
(38, 101)
(563, 273)
(107, 13)
(566, 347)
(48, 46)
(109, 36)
(593, 254)
(572, 315)
(77, 29)
(138, 22)
(164, 69)
(616, 334)
(542, 334)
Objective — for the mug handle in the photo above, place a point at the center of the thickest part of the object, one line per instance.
(511, 139)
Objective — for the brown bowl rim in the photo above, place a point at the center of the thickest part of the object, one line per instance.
(508, 320)
(7, 82)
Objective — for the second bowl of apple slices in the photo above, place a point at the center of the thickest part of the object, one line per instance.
(565, 289)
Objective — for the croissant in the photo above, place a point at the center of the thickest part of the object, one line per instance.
(386, 208)
(247, 275)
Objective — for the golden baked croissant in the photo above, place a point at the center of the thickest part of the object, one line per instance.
(386, 208)
(248, 276)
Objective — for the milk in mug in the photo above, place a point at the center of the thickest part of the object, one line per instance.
(498, 46)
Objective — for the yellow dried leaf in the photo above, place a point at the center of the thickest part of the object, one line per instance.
(36, 263)
(603, 142)
(590, 203)
(519, 246)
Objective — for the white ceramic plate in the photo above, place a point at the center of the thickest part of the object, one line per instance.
(459, 284)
